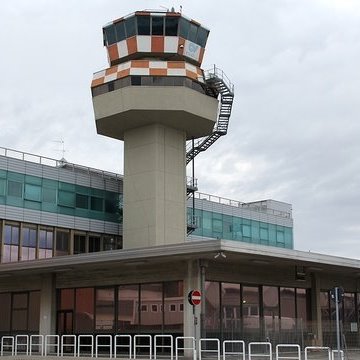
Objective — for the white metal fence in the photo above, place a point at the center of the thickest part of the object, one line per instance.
(154, 347)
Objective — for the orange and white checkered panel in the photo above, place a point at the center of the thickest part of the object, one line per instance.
(148, 68)
(146, 44)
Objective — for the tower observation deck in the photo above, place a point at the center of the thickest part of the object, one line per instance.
(155, 97)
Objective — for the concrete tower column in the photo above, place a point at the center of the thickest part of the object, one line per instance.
(154, 186)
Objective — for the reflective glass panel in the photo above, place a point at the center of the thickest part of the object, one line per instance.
(110, 35)
(34, 311)
(231, 311)
(82, 201)
(192, 32)
(14, 188)
(349, 309)
(184, 26)
(84, 310)
(97, 203)
(120, 31)
(151, 297)
(105, 309)
(157, 25)
(2, 187)
(301, 304)
(66, 198)
(5, 311)
(94, 243)
(287, 302)
(171, 26)
(32, 192)
(49, 195)
(212, 305)
(79, 243)
(250, 309)
(62, 243)
(173, 299)
(202, 36)
(143, 23)
(128, 304)
(66, 299)
(271, 308)
(324, 304)
(130, 27)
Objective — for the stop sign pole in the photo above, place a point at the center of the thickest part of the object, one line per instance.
(194, 298)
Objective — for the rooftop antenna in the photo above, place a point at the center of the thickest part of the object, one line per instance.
(180, 9)
(164, 7)
(61, 143)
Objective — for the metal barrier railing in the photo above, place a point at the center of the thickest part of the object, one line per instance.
(143, 346)
(127, 346)
(75, 345)
(49, 344)
(334, 355)
(39, 344)
(86, 345)
(233, 351)
(170, 346)
(205, 350)
(67, 345)
(317, 349)
(19, 343)
(184, 347)
(288, 355)
(108, 346)
(4, 344)
(265, 346)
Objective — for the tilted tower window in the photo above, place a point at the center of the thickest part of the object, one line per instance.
(130, 27)
(157, 25)
(120, 31)
(143, 25)
(171, 26)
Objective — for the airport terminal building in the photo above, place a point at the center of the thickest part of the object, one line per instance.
(84, 251)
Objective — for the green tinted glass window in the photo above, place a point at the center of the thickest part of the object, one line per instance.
(14, 188)
(193, 32)
(246, 230)
(82, 201)
(2, 186)
(130, 27)
(120, 31)
(32, 192)
(49, 195)
(66, 198)
(96, 203)
(202, 36)
(184, 26)
(264, 234)
(110, 36)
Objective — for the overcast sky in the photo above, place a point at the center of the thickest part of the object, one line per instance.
(294, 134)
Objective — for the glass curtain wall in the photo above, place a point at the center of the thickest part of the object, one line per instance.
(255, 312)
(130, 309)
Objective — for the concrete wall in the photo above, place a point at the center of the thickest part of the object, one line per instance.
(154, 187)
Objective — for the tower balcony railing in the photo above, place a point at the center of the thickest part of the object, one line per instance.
(216, 72)
(260, 206)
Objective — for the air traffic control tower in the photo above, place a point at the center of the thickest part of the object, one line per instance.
(156, 98)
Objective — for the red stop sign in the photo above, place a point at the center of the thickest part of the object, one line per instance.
(194, 297)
